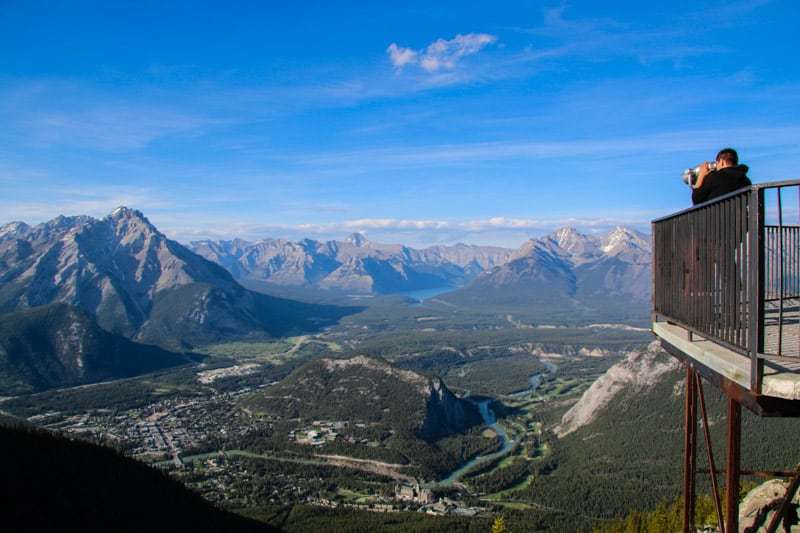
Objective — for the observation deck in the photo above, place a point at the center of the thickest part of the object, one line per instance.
(726, 302)
(726, 293)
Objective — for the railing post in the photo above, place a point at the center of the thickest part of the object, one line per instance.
(653, 270)
(755, 271)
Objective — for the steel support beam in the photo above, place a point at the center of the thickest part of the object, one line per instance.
(710, 452)
(689, 450)
(732, 469)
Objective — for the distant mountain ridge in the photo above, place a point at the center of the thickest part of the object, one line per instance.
(354, 264)
(570, 275)
(137, 282)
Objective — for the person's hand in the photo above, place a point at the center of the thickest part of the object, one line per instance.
(703, 171)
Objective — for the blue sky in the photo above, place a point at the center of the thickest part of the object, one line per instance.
(411, 122)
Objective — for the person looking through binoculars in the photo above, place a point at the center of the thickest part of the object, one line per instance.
(710, 180)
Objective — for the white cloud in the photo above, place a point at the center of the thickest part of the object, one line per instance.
(500, 230)
(442, 54)
(400, 56)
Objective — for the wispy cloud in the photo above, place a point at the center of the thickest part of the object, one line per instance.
(500, 230)
(442, 54)
(660, 143)
(472, 225)
(599, 39)
(109, 128)
(49, 113)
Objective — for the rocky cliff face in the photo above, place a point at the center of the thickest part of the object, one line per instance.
(134, 280)
(445, 412)
(639, 371)
(758, 508)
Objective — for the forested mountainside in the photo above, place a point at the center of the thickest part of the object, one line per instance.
(621, 444)
(408, 417)
(369, 390)
(59, 345)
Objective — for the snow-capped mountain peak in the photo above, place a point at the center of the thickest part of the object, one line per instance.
(571, 240)
(14, 229)
(357, 239)
(621, 238)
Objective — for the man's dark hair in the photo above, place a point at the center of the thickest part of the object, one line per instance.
(728, 155)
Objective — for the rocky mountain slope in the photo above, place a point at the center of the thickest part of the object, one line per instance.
(354, 264)
(571, 276)
(638, 372)
(368, 390)
(137, 283)
(59, 345)
(621, 444)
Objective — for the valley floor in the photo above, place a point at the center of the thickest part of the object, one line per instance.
(191, 421)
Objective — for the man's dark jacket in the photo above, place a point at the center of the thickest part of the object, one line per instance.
(721, 182)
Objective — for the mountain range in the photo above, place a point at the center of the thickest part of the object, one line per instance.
(566, 273)
(139, 284)
(355, 264)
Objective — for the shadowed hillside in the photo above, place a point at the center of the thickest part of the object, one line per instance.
(59, 345)
(50, 483)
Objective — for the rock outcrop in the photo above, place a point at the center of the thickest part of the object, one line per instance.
(761, 503)
(638, 371)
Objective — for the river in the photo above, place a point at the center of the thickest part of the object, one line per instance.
(507, 444)
(536, 380)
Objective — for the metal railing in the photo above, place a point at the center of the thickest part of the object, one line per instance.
(729, 271)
